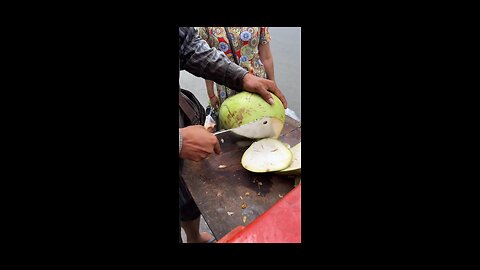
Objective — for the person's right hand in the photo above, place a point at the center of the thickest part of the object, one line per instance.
(198, 143)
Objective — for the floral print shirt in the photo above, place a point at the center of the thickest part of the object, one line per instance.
(244, 42)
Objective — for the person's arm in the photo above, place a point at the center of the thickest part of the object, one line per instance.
(267, 60)
(265, 53)
(211, 93)
(199, 59)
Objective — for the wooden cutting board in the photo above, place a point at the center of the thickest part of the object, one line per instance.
(220, 185)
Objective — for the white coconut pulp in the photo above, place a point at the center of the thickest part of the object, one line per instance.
(266, 127)
(267, 155)
(296, 166)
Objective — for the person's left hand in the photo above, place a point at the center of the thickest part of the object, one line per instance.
(262, 87)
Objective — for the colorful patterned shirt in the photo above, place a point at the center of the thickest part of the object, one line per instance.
(244, 41)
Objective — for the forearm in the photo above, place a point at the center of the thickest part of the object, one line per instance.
(199, 59)
(268, 64)
(267, 60)
(210, 90)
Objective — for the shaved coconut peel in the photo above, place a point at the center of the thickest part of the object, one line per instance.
(295, 167)
(246, 107)
(267, 155)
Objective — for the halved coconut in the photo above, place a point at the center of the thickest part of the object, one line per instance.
(267, 155)
(246, 107)
(295, 167)
(266, 127)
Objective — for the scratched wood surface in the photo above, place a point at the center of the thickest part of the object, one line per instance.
(221, 192)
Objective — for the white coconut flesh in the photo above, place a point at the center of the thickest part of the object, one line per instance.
(296, 165)
(267, 155)
(266, 127)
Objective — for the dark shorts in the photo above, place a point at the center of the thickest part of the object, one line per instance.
(188, 207)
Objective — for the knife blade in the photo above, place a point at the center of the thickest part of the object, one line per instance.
(262, 128)
(259, 129)
(229, 140)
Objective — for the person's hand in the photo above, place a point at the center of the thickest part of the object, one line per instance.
(198, 143)
(262, 87)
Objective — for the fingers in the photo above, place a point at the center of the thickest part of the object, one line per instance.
(217, 148)
(275, 90)
(215, 145)
(283, 100)
(201, 155)
(272, 87)
(262, 87)
(267, 96)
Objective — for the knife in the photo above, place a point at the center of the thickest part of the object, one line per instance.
(266, 127)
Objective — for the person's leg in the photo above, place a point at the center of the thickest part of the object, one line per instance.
(192, 230)
(190, 217)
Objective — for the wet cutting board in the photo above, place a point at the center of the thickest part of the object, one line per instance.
(220, 185)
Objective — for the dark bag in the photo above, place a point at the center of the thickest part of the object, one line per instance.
(193, 111)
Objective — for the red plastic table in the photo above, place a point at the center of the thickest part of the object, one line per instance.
(279, 224)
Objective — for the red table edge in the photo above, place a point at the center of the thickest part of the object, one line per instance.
(281, 223)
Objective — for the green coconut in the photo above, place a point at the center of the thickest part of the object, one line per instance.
(246, 107)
